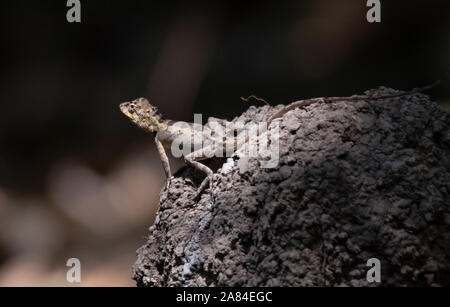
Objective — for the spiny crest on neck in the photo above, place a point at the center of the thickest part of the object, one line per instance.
(143, 114)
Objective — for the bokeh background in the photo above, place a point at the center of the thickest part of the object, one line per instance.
(78, 180)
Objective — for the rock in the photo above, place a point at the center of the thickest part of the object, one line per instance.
(355, 181)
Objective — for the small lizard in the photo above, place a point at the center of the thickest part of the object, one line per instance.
(147, 117)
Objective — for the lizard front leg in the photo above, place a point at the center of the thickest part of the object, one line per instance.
(164, 161)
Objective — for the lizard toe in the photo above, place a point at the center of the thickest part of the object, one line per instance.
(168, 182)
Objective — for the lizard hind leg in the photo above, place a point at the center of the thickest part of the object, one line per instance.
(193, 160)
(205, 183)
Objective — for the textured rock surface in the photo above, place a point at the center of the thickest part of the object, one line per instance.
(356, 180)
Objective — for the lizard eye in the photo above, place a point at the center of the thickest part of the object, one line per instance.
(131, 108)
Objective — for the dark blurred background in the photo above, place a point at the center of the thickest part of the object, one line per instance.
(78, 180)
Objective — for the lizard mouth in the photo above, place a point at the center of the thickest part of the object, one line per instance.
(124, 108)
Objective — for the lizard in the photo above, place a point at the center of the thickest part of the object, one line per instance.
(147, 117)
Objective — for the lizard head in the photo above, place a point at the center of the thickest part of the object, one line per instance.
(142, 113)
